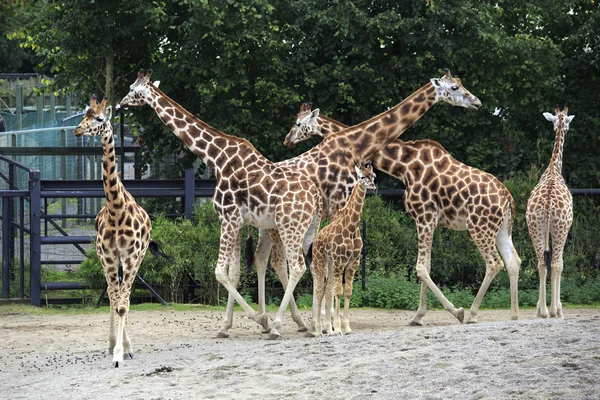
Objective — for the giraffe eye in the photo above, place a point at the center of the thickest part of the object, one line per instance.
(99, 119)
(298, 124)
(454, 87)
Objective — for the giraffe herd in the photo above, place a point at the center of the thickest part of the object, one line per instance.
(288, 200)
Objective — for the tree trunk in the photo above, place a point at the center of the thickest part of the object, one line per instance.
(109, 88)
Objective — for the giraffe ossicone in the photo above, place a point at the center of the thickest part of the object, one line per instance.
(122, 230)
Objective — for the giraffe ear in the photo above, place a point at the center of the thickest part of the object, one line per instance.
(156, 83)
(146, 91)
(314, 114)
(549, 116)
(570, 118)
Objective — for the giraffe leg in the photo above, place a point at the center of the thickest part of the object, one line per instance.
(279, 265)
(261, 259)
(542, 308)
(350, 271)
(512, 261)
(234, 277)
(337, 320)
(293, 251)
(112, 336)
(556, 265)
(537, 232)
(229, 233)
(493, 264)
(425, 229)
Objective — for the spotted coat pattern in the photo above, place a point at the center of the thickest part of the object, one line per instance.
(331, 163)
(122, 227)
(442, 190)
(336, 252)
(550, 214)
(250, 190)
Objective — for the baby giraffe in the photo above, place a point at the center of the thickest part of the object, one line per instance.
(122, 229)
(336, 250)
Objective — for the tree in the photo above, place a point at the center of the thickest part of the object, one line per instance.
(92, 46)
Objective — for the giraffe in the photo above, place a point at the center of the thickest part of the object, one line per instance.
(122, 230)
(441, 190)
(550, 213)
(336, 251)
(331, 163)
(250, 190)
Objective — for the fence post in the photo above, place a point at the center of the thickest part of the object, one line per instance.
(40, 109)
(63, 174)
(68, 106)
(122, 139)
(19, 106)
(52, 107)
(35, 275)
(363, 261)
(5, 249)
(189, 188)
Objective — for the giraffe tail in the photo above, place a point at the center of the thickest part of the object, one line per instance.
(249, 251)
(157, 251)
(547, 249)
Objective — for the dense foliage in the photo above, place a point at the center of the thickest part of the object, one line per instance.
(244, 67)
(457, 266)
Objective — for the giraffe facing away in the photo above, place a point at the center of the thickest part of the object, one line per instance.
(250, 190)
(441, 190)
(336, 252)
(331, 163)
(122, 230)
(550, 214)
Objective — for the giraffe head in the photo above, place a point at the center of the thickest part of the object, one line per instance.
(452, 91)
(366, 175)
(139, 91)
(96, 118)
(306, 126)
(560, 117)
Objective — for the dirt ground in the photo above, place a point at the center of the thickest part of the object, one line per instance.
(177, 357)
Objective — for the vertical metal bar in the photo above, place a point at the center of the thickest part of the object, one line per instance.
(68, 106)
(19, 107)
(22, 248)
(5, 248)
(40, 109)
(10, 222)
(52, 107)
(137, 168)
(63, 173)
(189, 189)
(363, 260)
(45, 219)
(35, 268)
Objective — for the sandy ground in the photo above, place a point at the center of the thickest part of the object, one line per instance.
(177, 357)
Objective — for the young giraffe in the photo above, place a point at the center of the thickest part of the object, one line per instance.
(441, 190)
(550, 212)
(336, 250)
(331, 163)
(122, 228)
(250, 190)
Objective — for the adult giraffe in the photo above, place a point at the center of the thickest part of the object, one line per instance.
(550, 213)
(440, 190)
(250, 190)
(122, 230)
(331, 163)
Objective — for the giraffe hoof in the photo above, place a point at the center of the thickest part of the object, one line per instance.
(274, 336)
(267, 330)
(460, 315)
(303, 329)
(116, 364)
(129, 356)
(222, 335)
(471, 321)
(415, 323)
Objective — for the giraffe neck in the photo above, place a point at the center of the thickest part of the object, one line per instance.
(354, 206)
(369, 137)
(203, 140)
(556, 159)
(113, 188)
(329, 126)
